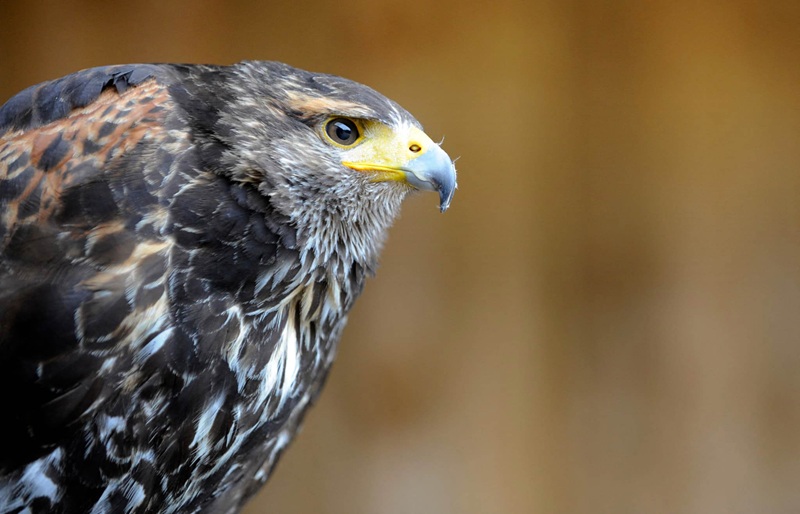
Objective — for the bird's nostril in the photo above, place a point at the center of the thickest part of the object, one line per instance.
(415, 148)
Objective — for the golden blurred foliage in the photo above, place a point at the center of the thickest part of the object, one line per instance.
(608, 318)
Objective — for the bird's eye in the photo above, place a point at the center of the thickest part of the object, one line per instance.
(342, 131)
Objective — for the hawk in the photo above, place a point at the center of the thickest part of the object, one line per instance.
(179, 248)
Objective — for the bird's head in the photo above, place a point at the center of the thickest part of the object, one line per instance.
(334, 156)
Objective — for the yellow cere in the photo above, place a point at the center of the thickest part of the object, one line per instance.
(385, 151)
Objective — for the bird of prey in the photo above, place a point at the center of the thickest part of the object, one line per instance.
(179, 248)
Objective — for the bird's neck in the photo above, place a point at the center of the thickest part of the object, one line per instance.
(339, 234)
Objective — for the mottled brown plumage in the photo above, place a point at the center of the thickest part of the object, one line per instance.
(179, 247)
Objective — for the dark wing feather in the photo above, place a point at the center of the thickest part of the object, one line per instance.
(111, 304)
(130, 276)
(66, 232)
(50, 101)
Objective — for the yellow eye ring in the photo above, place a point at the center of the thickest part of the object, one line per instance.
(343, 132)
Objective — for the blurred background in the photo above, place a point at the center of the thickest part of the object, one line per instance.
(607, 320)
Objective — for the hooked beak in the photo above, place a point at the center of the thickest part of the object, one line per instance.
(433, 171)
(412, 158)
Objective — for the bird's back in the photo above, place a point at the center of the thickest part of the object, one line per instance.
(151, 348)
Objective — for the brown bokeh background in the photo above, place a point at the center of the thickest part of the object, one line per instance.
(606, 321)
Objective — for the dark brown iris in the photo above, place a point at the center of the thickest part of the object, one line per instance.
(342, 131)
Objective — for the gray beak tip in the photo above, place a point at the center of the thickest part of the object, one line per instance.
(434, 171)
